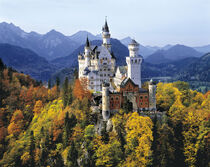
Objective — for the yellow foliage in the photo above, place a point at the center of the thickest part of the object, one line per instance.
(139, 138)
(25, 158)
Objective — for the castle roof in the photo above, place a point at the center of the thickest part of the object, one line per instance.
(105, 27)
(87, 43)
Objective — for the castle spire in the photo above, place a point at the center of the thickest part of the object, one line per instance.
(105, 27)
(87, 42)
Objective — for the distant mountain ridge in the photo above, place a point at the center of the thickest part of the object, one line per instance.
(174, 53)
(26, 61)
(81, 36)
(50, 45)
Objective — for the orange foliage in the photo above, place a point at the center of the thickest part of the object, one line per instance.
(37, 107)
(81, 89)
(207, 94)
(16, 123)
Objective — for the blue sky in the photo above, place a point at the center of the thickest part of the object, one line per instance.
(151, 22)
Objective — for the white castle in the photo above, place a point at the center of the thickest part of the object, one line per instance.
(98, 65)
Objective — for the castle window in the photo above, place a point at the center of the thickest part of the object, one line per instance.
(112, 98)
(100, 69)
(131, 61)
(108, 69)
(104, 74)
(117, 98)
(141, 97)
(145, 97)
(141, 103)
(108, 74)
(146, 103)
(91, 77)
(104, 69)
(91, 83)
(135, 61)
(101, 75)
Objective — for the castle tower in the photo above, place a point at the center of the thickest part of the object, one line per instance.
(106, 36)
(105, 101)
(134, 63)
(87, 53)
(152, 95)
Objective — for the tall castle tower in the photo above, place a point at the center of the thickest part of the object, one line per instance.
(87, 55)
(105, 101)
(134, 63)
(106, 36)
(152, 95)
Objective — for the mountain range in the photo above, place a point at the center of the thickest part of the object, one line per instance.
(174, 53)
(41, 55)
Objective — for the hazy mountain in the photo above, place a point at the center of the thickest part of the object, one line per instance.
(50, 45)
(166, 47)
(26, 61)
(175, 53)
(120, 52)
(199, 70)
(144, 51)
(81, 36)
(203, 49)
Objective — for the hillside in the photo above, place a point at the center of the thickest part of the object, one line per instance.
(56, 126)
(174, 53)
(198, 70)
(26, 61)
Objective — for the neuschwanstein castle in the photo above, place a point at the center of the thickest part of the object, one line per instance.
(116, 84)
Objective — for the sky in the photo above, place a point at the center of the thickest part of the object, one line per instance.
(150, 22)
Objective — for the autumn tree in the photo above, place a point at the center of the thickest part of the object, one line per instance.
(139, 139)
(37, 107)
(16, 123)
(81, 89)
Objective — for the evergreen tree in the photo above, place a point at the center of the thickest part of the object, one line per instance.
(2, 66)
(75, 74)
(72, 156)
(32, 148)
(49, 84)
(58, 85)
(66, 92)
(70, 96)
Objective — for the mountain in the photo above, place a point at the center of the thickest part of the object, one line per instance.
(120, 52)
(203, 49)
(175, 53)
(199, 70)
(26, 61)
(144, 51)
(166, 47)
(81, 36)
(50, 45)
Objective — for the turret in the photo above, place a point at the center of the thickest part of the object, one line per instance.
(106, 36)
(105, 101)
(133, 49)
(152, 95)
(87, 53)
(134, 63)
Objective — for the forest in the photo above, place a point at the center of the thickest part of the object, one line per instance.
(54, 126)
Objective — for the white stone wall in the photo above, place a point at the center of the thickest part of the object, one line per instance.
(152, 97)
(134, 69)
